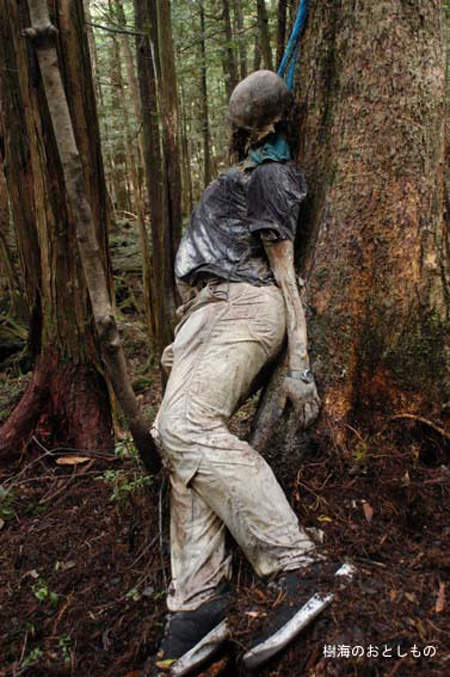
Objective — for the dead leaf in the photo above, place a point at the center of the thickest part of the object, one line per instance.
(324, 518)
(440, 602)
(368, 511)
(72, 460)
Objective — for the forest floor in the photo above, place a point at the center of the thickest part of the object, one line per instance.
(84, 554)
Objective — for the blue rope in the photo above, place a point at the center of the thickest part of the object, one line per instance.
(290, 56)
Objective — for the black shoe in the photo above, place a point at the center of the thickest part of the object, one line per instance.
(306, 592)
(190, 637)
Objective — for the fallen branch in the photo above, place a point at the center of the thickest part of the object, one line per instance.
(423, 420)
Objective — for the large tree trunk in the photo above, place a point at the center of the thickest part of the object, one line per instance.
(374, 242)
(67, 401)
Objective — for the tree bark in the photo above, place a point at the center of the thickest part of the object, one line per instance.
(8, 271)
(281, 30)
(186, 156)
(204, 101)
(121, 159)
(239, 22)
(230, 68)
(374, 241)
(66, 402)
(171, 142)
(264, 34)
(162, 258)
(137, 163)
(43, 35)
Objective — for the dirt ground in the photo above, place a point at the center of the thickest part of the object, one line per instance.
(84, 561)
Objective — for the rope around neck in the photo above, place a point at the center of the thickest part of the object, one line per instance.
(290, 57)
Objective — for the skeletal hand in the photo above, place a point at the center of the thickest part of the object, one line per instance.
(304, 399)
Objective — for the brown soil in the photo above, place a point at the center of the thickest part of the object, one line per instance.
(82, 574)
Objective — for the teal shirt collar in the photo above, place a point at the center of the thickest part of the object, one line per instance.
(275, 147)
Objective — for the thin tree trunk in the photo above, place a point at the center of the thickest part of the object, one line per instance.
(186, 156)
(281, 30)
(170, 125)
(162, 265)
(204, 100)
(42, 33)
(239, 21)
(263, 26)
(257, 53)
(120, 156)
(139, 193)
(230, 70)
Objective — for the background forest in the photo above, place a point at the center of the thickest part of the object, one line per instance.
(83, 529)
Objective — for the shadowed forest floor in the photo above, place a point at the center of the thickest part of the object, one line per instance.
(82, 563)
(84, 551)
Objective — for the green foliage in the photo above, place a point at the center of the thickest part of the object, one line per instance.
(125, 483)
(43, 594)
(7, 499)
(64, 644)
(33, 657)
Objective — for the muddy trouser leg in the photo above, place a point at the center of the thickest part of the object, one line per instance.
(217, 480)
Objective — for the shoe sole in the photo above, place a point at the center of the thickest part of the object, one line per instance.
(200, 652)
(308, 612)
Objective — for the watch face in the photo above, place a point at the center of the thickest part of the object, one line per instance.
(307, 376)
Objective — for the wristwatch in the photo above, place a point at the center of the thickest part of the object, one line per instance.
(306, 375)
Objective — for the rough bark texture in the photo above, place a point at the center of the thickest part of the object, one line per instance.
(42, 34)
(162, 259)
(281, 30)
(374, 243)
(9, 279)
(229, 60)
(239, 31)
(66, 385)
(204, 100)
(264, 33)
(171, 141)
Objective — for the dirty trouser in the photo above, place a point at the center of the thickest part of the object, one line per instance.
(217, 480)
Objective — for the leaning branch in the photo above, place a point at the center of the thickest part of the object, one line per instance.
(43, 35)
(109, 29)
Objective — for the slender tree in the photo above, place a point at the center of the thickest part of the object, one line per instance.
(239, 22)
(264, 34)
(229, 59)
(170, 138)
(204, 99)
(162, 244)
(281, 29)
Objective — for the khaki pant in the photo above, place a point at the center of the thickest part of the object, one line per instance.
(219, 482)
